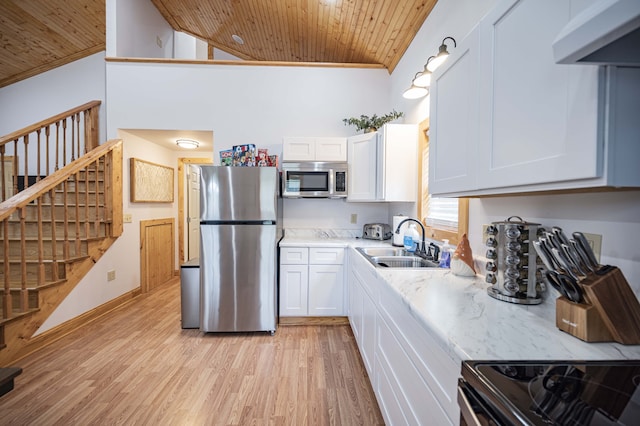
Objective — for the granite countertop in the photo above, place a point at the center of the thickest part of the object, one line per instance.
(472, 325)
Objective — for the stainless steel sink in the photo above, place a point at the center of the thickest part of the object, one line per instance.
(390, 257)
(384, 251)
(402, 262)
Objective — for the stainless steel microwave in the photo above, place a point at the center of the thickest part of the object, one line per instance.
(314, 179)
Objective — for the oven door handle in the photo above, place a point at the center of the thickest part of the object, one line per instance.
(466, 410)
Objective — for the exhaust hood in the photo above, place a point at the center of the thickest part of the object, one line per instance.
(607, 33)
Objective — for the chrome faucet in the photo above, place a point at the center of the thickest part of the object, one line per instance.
(421, 250)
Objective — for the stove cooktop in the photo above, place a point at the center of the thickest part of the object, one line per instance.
(559, 393)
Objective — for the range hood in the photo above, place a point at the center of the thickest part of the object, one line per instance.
(607, 33)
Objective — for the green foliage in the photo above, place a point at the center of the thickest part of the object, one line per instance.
(374, 122)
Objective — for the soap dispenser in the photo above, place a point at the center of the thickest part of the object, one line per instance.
(445, 255)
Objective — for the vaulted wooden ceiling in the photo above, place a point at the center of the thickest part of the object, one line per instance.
(39, 35)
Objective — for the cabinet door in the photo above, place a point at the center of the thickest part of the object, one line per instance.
(453, 134)
(369, 317)
(294, 282)
(326, 290)
(331, 149)
(362, 179)
(398, 163)
(538, 119)
(298, 149)
(362, 315)
(355, 307)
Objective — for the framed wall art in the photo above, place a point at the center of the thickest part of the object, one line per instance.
(150, 183)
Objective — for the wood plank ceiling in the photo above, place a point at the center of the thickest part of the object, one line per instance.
(39, 35)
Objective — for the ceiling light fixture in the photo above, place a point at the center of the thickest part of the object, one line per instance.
(237, 39)
(414, 91)
(441, 56)
(187, 143)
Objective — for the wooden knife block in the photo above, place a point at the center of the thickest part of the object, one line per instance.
(612, 315)
(581, 320)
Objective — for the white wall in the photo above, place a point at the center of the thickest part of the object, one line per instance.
(135, 26)
(45, 95)
(243, 104)
(616, 216)
(186, 46)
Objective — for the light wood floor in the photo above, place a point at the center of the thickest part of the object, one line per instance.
(137, 366)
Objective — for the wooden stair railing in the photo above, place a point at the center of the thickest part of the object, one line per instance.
(38, 150)
(52, 223)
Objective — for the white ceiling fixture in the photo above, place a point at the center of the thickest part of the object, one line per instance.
(187, 143)
(237, 39)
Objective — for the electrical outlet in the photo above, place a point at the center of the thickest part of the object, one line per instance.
(354, 218)
(111, 275)
(595, 241)
(159, 41)
(127, 218)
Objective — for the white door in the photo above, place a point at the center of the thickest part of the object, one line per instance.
(193, 211)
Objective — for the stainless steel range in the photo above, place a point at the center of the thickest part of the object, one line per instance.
(543, 393)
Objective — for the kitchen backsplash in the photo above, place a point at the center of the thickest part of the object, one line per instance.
(321, 233)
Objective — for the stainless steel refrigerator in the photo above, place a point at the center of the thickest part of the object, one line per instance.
(240, 228)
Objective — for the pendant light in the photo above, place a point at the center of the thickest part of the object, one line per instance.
(423, 78)
(414, 91)
(441, 56)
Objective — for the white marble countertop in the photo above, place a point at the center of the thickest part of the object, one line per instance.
(472, 325)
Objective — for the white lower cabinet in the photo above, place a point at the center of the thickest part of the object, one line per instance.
(362, 317)
(414, 379)
(312, 281)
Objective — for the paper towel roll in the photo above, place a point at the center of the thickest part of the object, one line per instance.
(398, 238)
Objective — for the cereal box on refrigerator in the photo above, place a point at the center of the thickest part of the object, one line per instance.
(244, 155)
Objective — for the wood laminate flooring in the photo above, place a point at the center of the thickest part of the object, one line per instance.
(136, 366)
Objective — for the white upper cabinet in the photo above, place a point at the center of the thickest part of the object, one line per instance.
(314, 149)
(507, 119)
(383, 165)
(538, 119)
(454, 119)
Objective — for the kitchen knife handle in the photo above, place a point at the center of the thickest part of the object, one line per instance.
(542, 254)
(584, 260)
(564, 262)
(582, 241)
(573, 259)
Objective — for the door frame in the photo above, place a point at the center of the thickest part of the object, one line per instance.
(182, 190)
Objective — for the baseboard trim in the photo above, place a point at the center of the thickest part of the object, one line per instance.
(286, 321)
(56, 333)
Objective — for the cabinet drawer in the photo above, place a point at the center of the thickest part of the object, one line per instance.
(294, 255)
(326, 256)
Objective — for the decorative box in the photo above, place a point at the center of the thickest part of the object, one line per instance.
(244, 155)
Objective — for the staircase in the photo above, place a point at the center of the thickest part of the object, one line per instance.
(55, 226)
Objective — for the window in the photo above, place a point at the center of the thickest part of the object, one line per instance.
(444, 218)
